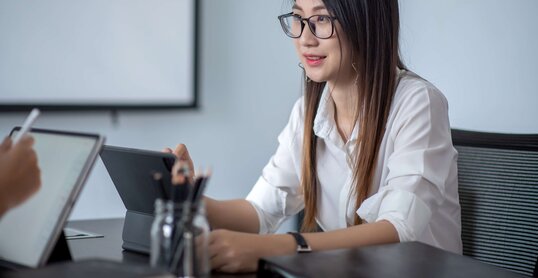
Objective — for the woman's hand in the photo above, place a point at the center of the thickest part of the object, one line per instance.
(234, 251)
(182, 154)
(239, 252)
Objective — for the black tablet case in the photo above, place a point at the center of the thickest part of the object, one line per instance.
(131, 171)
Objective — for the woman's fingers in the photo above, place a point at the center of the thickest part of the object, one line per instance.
(183, 167)
(182, 154)
(216, 249)
(232, 251)
(179, 173)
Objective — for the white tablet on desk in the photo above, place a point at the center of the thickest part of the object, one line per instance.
(29, 232)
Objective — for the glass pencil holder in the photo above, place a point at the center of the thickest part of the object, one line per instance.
(162, 234)
(183, 251)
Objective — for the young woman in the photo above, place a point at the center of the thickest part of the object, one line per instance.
(367, 151)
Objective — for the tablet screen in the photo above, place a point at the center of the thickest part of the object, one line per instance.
(29, 231)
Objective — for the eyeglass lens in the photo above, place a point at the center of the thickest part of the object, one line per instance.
(320, 25)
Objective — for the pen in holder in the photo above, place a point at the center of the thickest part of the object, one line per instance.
(191, 257)
(180, 231)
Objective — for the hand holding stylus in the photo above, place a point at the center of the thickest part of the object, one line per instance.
(20, 176)
(27, 125)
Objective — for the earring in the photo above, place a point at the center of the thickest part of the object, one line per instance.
(306, 78)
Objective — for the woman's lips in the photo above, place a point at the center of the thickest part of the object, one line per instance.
(314, 60)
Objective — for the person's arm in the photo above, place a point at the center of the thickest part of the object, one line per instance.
(4, 207)
(236, 215)
(19, 172)
(239, 252)
(367, 234)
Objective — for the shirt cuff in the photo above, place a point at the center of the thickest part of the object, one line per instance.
(404, 210)
(269, 203)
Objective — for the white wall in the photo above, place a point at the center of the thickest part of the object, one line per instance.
(477, 52)
(482, 54)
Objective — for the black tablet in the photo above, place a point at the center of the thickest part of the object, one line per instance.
(131, 171)
(29, 232)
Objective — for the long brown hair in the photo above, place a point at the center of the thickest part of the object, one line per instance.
(371, 29)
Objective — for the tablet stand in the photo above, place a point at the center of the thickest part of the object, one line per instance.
(136, 231)
(60, 252)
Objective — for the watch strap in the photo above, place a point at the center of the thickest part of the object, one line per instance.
(302, 245)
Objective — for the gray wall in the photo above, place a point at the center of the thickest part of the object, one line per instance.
(250, 80)
(481, 54)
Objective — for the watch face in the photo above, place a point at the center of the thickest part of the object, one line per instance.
(304, 249)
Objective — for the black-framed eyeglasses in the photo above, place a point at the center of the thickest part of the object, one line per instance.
(322, 26)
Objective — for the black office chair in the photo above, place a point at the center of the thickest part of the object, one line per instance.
(498, 188)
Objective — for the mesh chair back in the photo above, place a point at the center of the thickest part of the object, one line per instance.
(498, 188)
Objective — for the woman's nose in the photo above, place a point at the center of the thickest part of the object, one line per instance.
(307, 37)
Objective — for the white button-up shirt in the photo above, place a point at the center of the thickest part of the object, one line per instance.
(415, 185)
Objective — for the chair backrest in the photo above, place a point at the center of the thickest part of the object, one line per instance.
(498, 188)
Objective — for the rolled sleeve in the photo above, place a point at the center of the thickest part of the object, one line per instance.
(276, 196)
(404, 210)
(270, 205)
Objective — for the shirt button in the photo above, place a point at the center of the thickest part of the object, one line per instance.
(349, 161)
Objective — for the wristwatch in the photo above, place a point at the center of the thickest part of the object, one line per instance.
(302, 246)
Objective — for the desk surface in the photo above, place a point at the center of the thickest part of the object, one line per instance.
(409, 259)
(397, 260)
(109, 246)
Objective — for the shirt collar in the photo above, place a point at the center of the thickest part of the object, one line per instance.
(324, 122)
